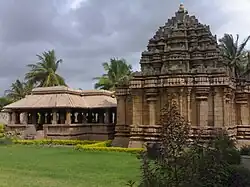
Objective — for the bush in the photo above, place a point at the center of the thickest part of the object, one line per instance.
(1, 130)
(239, 177)
(226, 148)
(54, 142)
(100, 144)
(232, 156)
(109, 149)
(3, 139)
(245, 150)
(176, 161)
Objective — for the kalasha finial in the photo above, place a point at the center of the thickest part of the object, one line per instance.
(181, 8)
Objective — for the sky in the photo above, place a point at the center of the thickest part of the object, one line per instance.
(86, 33)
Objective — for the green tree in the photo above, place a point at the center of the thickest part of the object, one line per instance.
(117, 71)
(44, 73)
(234, 54)
(18, 90)
(4, 101)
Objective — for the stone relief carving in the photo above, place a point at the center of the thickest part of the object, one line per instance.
(147, 69)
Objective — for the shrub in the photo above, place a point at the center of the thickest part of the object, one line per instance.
(54, 142)
(175, 161)
(245, 150)
(239, 177)
(108, 149)
(232, 156)
(4, 140)
(1, 130)
(100, 144)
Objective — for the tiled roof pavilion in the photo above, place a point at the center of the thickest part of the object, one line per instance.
(64, 97)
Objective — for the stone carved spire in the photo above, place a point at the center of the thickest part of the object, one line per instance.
(182, 45)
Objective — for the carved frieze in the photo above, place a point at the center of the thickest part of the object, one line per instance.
(147, 69)
(202, 93)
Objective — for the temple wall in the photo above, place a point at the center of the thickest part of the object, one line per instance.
(205, 108)
(4, 117)
(124, 119)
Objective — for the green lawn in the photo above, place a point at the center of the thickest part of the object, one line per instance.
(26, 166)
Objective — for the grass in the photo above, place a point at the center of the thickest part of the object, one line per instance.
(30, 166)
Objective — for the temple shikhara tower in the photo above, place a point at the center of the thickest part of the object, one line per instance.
(183, 61)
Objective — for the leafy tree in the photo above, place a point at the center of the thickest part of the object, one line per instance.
(234, 54)
(118, 71)
(177, 161)
(44, 73)
(18, 90)
(4, 101)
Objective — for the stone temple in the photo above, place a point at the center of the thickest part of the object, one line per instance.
(183, 61)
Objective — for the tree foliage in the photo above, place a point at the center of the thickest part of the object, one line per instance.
(117, 71)
(178, 161)
(234, 54)
(18, 90)
(4, 101)
(44, 73)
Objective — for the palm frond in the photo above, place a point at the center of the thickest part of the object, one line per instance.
(43, 73)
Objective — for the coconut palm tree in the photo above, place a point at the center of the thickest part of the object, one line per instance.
(234, 53)
(18, 90)
(44, 72)
(246, 68)
(117, 71)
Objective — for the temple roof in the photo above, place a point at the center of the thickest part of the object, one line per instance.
(181, 45)
(64, 97)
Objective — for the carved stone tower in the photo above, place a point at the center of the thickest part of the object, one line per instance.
(182, 60)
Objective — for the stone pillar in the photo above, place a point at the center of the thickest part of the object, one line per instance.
(54, 117)
(244, 112)
(152, 112)
(121, 110)
(218, 108)
(9, 118)
(181, 101)
(68, 117)
(13, 118)
(226, 104)
(25, 118)
(122, 123)
(211, 108)
(202, 98)
(76, 117)
(137, 99)
(107, 116)
(189, 111)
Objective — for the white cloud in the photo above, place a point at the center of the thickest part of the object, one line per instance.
(76, 3)
(238, 15)
(86, 33)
